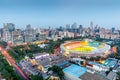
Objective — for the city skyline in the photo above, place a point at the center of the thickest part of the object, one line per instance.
(57, 13)
(59, 39)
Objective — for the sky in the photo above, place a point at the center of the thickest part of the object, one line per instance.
(55, 13)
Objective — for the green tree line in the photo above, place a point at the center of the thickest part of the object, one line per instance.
(7, 71)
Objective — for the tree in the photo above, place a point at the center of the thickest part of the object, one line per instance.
(3, 44)
(57, 70)
(118, 73)
(7, 70)
(81, 62)
(36, 77)
(107, 72)
(30, 55)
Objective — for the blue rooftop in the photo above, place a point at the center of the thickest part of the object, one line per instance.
(111, 63)
(75, 70)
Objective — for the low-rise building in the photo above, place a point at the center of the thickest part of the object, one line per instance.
(77, 60)
(96, 66)
(112, 75)
(110, 62)
(92, 76)
(41, 55)
(75, 72)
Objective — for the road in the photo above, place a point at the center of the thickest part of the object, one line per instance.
(12, 62)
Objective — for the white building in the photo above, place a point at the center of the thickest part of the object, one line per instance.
(96, 66)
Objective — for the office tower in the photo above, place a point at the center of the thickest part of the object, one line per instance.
(60, 28)
(113, 29)
(28, 34)
(67, 26)
(74, 25)
(7, 36)
(0, 33)
(29, 30)
(80, 29)
(28, 27)
(7, 31)
(17, 38)
(49, 28)
(91, 25)
(9, 26)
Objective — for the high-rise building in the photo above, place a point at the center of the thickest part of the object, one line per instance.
(7, 36)
(29, 30)
(17, 37)
(7, 31)
(91, 25)
(74, 25)
(60, 28)
(9, 26)
(80, 29)
(0, 33)
(67, 26)
(28, 27)
(113, 29)
(28, 34)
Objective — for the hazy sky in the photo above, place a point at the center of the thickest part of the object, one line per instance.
(55, 13)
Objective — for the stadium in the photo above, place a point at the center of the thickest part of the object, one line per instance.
(84, 48)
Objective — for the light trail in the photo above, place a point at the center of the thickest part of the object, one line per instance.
(12, 62)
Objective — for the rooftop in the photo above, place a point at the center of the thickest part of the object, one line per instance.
(95, 63)
(63, 63)
(75, 70)
(90, 76)
(111, 75)
(40, 54)
(110, 62)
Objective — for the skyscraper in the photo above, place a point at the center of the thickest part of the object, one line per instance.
(7, 31)
(29, 30)
(74, 25)
(91, 25)
(28, 27)
(113, 29)
(80, 29)
(67, 26)
(9, 26)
